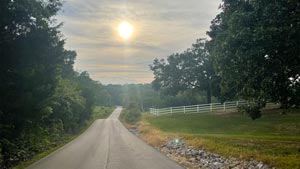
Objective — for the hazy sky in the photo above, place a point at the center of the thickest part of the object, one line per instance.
(161, 27)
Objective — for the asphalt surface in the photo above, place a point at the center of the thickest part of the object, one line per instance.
(106, 144)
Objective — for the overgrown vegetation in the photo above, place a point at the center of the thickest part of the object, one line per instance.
(99, 112)
(42, 99)
(131, 114)
(274, 138)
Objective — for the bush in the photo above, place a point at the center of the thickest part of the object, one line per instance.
(131, 114)
(252, 109)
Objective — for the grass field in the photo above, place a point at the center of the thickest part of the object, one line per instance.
(274, 138)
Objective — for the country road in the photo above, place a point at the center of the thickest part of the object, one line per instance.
(106, 144)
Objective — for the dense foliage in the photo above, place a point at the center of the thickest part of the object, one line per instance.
(41, 97)
(255, 48)
(192, 69)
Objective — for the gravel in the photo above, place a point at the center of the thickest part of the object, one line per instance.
(175, 148)
(199, 158)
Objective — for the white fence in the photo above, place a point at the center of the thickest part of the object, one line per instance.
(202, 108)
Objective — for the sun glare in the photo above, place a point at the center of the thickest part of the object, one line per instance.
(125, 30)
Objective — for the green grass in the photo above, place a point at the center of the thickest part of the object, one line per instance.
(274, 138)
(98, 113)
(101, 112)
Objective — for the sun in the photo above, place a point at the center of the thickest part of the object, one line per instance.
(125, 29)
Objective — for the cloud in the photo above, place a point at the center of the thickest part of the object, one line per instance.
(160, 29)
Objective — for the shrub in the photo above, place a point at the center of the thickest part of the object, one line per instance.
(131, 114)
(252, 109)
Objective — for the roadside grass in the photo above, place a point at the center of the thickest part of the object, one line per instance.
(273, 139)
(99, 112)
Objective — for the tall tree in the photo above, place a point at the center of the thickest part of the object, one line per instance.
(42, 98)
(30, 51)
(254, 45)
(192, 69)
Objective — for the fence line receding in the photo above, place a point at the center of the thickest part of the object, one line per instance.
(201, 108)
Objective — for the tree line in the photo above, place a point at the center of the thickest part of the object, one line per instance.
(42, 98)
(252, 53)
(143, 97)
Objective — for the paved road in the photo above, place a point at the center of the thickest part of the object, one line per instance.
(107, 144)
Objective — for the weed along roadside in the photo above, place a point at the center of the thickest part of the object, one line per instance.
(130, 115)
(99, 112)
(227, 140)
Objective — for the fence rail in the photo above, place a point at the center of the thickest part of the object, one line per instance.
(200, 108)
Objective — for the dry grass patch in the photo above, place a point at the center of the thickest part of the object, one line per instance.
(152, 136)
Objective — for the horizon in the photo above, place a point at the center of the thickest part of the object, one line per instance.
(160, 29)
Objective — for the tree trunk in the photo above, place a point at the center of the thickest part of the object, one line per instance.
(284, 102)
(208, 92)
(208, 95)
